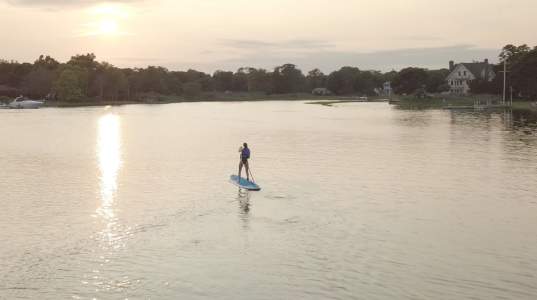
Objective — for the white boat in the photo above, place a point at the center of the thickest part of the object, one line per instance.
(22, 103)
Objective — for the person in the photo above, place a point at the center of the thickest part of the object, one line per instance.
(245, 155)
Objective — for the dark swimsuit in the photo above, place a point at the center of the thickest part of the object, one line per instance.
(245, 154)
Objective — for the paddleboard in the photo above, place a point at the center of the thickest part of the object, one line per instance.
(243, 183)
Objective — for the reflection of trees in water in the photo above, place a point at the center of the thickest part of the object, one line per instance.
(244, 201)
(514, 129)
(417, 118)
(524, 118)
(244, 206)
(478, 119)
(512, 119)
(524, 126)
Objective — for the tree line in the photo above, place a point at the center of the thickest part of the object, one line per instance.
(83, 78)
(521, 73)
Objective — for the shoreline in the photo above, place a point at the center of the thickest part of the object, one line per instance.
(217, 98)
(400, 102)
(409, 102)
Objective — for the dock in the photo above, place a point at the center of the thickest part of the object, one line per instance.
(479, 105)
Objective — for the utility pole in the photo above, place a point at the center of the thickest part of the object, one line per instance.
(504, 78)
(511, 95)
(504, 81)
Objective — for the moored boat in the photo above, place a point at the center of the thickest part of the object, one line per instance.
(23, 103)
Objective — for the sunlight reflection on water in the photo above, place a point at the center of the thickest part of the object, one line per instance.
(109, 159)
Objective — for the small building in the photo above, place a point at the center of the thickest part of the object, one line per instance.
(462, 74)
(387, 89)
(321, 91)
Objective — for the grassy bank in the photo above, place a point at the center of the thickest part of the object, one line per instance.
(331, 102)
(402, 102)
(205, 97)
(463, 102)
(526, 105)
(441, 101)
(81, 103)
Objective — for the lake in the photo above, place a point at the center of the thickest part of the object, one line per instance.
(359, 201)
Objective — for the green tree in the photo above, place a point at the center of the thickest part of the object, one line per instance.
(153, 79)
(257, 80)
(240, 81)
(112, 83)
(71, 83)
(316, 79)
(512, 54)
(524, 74)
(436, 80)
(13, 73)
(343, 81)
(365, 82)
(205, 80)
(480, 86)
(288, 79)
(89, 64)
(46, 62)
(192, 89)
(410, 80)
(39, 82)
(223, 81)
(390, 76)
(84, 61)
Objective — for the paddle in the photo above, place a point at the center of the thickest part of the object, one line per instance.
(250, 171)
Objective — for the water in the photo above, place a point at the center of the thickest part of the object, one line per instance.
(359, 201)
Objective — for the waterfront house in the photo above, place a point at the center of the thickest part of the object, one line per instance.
(387, 89)
(462, 74)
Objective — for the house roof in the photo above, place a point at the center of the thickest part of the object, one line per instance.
(478, 68)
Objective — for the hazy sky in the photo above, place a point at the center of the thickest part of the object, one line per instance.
(226, 34)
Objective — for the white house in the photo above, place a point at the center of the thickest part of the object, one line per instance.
(462, 74)
(387, 88)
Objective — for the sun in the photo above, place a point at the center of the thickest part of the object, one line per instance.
(108, 27)
(106, 20)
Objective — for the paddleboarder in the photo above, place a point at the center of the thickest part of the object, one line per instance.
(245, 155)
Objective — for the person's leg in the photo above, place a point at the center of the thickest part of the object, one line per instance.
(247, 168)
(240, 169)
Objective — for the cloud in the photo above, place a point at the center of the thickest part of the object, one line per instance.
(267, 55)
(418, 38)
(61, 3)
(129, 59)
(283, 45)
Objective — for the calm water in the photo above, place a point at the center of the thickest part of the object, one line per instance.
(359, 201)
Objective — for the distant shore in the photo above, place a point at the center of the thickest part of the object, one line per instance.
(211, 97)
(402, 102)
(448, 101)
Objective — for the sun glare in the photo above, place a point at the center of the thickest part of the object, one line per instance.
(109, 157)
(105, 20)
(110, 10)
(108, 27)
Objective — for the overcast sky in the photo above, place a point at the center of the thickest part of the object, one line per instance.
(226, 34)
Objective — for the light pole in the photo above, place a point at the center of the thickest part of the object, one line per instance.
(504, 78)
(504, 81)
(511, 102)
